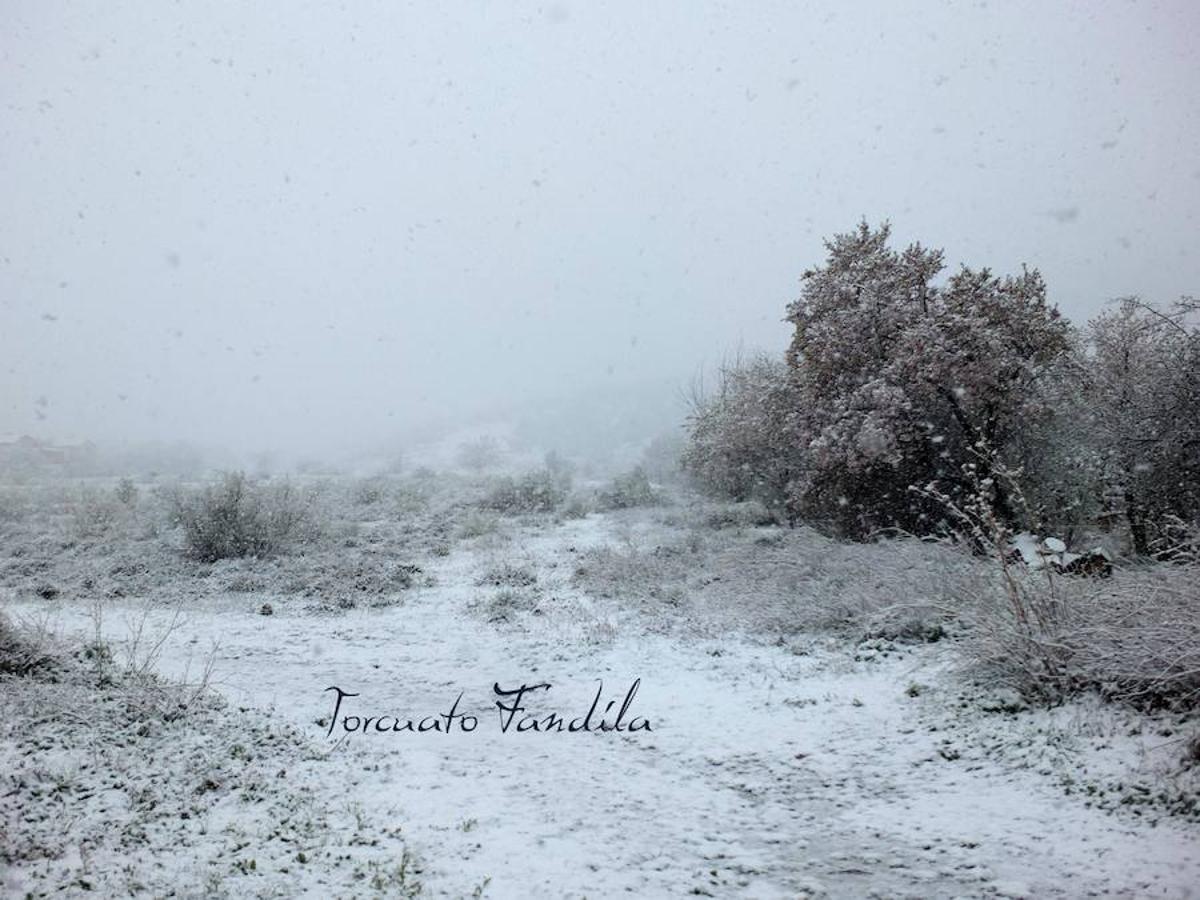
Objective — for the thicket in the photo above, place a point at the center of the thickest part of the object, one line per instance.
(902, 389)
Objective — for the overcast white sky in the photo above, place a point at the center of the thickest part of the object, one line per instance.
(265, 224)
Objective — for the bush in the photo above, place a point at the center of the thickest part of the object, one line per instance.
(126, 492)
(577, 506)
(1134, 637)
(476, 524)
(236, 518)
(892, 379)
(542, 490)
(96, 514)
(506, 605)
(22, 651)
(413, 495)
(508, 575)
(628, 490)
(749, 514)
(1178, 541)
(368, 491)
(1143, 399)
(739, 443)
(14, 506)
(788, 581)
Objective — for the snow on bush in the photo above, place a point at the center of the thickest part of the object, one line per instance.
(788, 581)
(739, 442)
(628, 490)
(23, 650)
(96, 514)
(543, 490)
(1134, 637)
(369, 491)
(236, 517)
(1143, 390)
(896, 379)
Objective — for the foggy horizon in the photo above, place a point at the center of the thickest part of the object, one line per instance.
(316, 234)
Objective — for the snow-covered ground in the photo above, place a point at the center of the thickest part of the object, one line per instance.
(777, 765)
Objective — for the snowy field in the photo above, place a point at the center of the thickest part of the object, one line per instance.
(813, 731)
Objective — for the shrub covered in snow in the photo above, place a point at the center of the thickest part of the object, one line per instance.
(96, 514)
(901, 381)
(789, 581)
(1133, 637)
(236, 517)
(23, 650)
(628, 490)
(1143, 393)
(477, 523)
(508, 574)
(740, 445)
(890, 381)
(896, 380)
(369, 491)
(542, 490)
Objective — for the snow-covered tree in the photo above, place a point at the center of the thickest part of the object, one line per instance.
(900, 382)
(738, 441)
(1144, 396)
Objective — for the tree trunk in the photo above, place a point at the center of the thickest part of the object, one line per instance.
(1137, 524)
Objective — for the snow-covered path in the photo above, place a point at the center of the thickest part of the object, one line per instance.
(767, 773)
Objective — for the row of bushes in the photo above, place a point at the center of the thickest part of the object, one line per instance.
(549, 490)
(236, 516)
